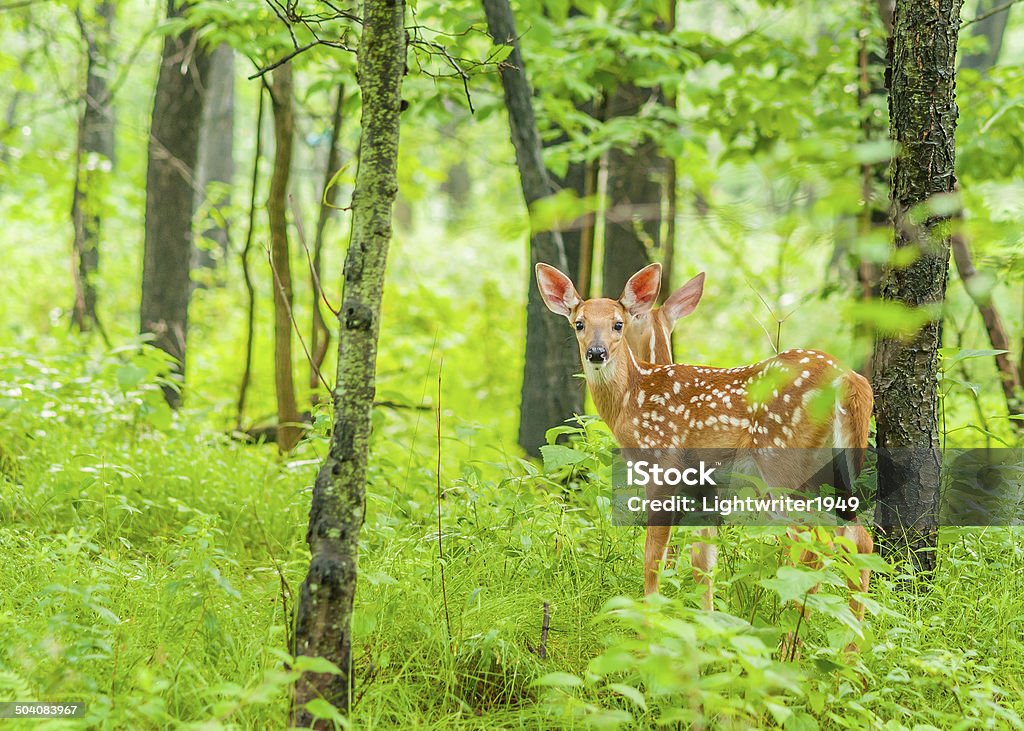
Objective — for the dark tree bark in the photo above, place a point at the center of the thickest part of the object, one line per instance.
(217, 156)
(992, 27)
(922, 107)
(339, 495)
(550, 392)
(93, 161)
(320, 336)
(636, 179)
(281, 93)
(170, 184)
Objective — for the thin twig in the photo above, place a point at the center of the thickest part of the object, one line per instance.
(291, 318)
(286, 589)
(17, 4)
(440, 543)
(314, 365)
(542, 651)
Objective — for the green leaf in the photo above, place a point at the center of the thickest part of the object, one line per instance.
(322, 709)
(890, 318)
(130, 376)
(953, 355)
(791, 583)
(307, 664)
(628, 691)
(557, 456)
(558, 680)
(800, 721)
(552, 434)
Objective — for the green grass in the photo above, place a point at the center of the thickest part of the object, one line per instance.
(143, 564)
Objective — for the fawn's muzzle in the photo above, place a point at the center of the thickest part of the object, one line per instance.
(597, 354)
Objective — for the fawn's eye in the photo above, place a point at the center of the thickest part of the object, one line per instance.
(618, 327)
(579, 325)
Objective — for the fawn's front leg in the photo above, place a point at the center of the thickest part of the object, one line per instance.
(654, 552)
(703, 559)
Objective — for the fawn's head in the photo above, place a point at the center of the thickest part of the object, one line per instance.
(604, 327)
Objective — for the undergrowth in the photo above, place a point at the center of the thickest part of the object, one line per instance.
(151, 563)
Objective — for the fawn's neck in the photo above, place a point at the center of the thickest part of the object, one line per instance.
(612, 385)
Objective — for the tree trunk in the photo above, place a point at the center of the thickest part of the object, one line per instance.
(992, 28)
(874, 124)
(636, 177)
(288, 430)
(217, 157)
(93, 162)
(580, 177)
(997, 336)
(339, 495)
(250, 288)
(550, 392)
(170, 184)
(922, 107)
(320, 336)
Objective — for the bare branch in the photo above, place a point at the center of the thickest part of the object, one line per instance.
(994, 11)
(301, 49)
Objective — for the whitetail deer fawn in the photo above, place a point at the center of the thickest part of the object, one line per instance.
(673, 406)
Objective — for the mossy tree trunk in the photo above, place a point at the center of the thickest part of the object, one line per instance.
(550, 392)
(281, 93)
(170, 183)
(339, 494)
(923, 113)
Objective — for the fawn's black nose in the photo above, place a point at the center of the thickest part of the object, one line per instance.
(597, 354)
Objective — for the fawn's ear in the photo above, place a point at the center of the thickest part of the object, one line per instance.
(684, 300)
(642, 290)
(556, 290)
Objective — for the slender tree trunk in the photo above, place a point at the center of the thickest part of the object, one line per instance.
(339, 495)
(217, 157)
(668, 262)
(922, 107)
(250, 288)
(636, 179)
(281, 93)
(872, 100)
(550, 392)
(170, 184)
(997, 336)
(93, 161)
(992, 29)
(458, 183)
(320, 337)
(574, 239)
